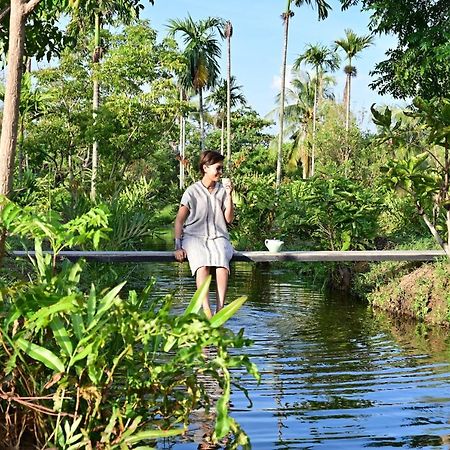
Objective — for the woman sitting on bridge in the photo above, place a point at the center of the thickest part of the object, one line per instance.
(201, 234)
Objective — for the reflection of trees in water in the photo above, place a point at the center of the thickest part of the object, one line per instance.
(413, 336)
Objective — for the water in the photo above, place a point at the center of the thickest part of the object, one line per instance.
(335, 374)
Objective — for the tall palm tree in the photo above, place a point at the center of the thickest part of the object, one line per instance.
(322, 9)
(352, 44)
(322, 59)
(226, 96)
(202, 52)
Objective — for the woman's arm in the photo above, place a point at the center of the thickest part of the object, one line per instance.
(183, 213)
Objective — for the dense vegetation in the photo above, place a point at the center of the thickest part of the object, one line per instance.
(80, 173)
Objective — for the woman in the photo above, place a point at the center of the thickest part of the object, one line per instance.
(201, 235)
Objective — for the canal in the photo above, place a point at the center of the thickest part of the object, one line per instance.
(335, 374)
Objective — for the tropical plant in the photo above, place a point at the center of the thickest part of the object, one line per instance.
(226, 93)
(298, 121)
(419, 65)
(336, 214)
(424, 176)
(202, 51)
(103, 369)
(322, 11)
(322, 59)
(352, 45)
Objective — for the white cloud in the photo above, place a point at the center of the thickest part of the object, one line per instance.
(276, 79)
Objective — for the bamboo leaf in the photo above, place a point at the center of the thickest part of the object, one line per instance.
(41, 354)
(226, 313)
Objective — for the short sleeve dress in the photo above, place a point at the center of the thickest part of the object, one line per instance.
(205, 234)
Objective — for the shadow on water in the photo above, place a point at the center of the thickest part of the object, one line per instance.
(335, 374)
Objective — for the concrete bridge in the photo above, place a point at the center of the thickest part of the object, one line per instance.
(252, 256)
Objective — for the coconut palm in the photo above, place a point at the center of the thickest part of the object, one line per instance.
(226, 96)
(202, 52)
(299, 113)
(322, 59)
(322, 9)
(351, 45)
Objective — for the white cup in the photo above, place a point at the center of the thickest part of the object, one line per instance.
(273, 245)
(226, 182)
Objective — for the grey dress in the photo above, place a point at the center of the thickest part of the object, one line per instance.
(205, 235)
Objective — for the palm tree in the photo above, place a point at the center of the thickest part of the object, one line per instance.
(299, 113)
(226, 96)
(322, 59)
(202, 52)
(322, 9)
(352, 45)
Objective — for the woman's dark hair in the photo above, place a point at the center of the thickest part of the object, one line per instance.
(208, 158)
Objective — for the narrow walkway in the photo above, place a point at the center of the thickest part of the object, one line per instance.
(262, 256)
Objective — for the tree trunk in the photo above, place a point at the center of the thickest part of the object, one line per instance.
(229, 34)
(222, 137)
(286, 17)
(201, 119)
(181, 144)
(347, 105)
(313, 149)
(8, 140)
(95, 105)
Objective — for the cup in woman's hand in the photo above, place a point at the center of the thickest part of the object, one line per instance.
(226, 182)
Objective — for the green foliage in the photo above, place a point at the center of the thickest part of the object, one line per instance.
(255, 197)
(336, 214)
(419, 65)
(135, 120)
(425, 175)
(104, 369)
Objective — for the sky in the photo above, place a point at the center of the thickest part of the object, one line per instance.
(257, 42)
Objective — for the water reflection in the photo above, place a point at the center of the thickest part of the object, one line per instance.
(335, 374)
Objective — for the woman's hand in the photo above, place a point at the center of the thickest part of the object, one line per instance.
(180, 255)
(228, 185)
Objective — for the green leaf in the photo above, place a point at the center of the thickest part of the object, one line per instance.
(61, 335)
(227, 312)
(41, 354)
(196, 303)
(105, 304)
(223, 421)
(152, 434)
(78, 325)
(91, 304)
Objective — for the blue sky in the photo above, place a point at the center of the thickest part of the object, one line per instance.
(257, 44)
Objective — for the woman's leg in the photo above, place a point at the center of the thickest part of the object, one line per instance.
(221, 287)
(200, 276)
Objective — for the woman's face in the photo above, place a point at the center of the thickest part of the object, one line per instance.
(214, 171)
